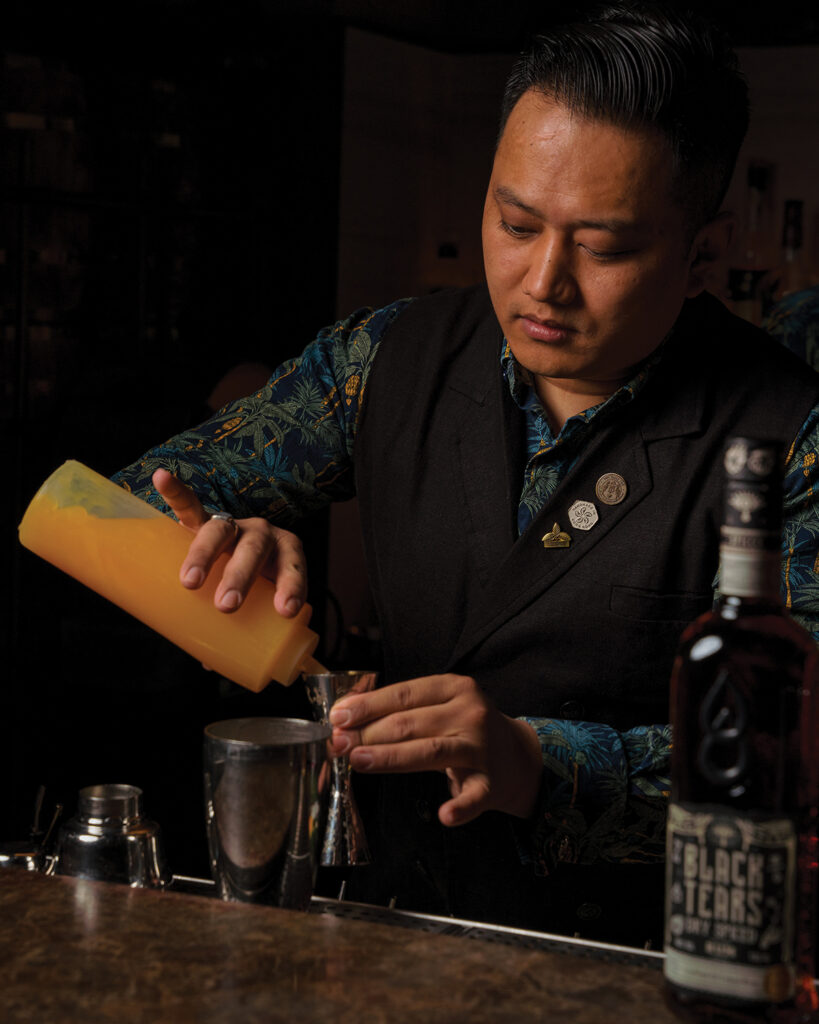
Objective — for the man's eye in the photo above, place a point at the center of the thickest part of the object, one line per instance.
(605, 255)
(515, 230)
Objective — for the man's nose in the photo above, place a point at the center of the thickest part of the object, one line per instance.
(550, 277)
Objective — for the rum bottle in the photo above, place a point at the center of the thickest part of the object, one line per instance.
(742, 825)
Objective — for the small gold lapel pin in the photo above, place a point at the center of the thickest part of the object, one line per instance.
(556, 539)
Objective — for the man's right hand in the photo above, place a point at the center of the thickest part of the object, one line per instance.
(258, 549)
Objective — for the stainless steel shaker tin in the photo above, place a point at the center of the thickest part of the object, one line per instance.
(266, 783)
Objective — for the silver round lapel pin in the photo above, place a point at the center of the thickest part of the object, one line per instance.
(611, 488)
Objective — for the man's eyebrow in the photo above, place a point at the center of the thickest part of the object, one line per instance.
(506, 195)
(611, 224)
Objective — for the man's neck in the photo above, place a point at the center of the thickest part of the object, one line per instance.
(562, 399)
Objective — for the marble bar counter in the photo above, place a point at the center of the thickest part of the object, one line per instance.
(74, 951)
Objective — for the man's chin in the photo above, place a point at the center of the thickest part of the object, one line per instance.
(542, 359)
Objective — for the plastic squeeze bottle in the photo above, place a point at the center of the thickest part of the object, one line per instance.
(130, 552)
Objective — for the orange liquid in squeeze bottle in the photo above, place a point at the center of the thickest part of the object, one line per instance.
(130, 553)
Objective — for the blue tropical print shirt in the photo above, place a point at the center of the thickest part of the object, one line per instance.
(794, 321)
(286, 451)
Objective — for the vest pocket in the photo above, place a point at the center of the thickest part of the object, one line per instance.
(656, 606)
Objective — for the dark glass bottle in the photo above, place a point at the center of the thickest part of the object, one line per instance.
(754, 252)
(742, 828)
(793, 276)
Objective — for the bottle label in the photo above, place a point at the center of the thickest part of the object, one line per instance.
(749, 572)
(730, 903)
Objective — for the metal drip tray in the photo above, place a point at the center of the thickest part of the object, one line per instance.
(518, 937)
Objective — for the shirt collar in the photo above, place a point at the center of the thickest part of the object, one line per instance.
(519, 380)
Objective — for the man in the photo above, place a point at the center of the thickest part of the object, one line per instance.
(538, 475)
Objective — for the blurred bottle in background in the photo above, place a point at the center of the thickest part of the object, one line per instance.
(792, 273)
(754, 251)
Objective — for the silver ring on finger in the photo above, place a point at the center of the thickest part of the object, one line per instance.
(226, 517)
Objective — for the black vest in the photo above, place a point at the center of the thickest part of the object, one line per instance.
(584, 632)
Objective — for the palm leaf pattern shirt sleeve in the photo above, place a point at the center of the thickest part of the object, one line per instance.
(800, 535)
(604, 793)
(794, 323)
(285, 451)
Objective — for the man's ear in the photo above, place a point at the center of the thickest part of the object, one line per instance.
(708, 251)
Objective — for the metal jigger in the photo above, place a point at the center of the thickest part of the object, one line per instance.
(344, 840)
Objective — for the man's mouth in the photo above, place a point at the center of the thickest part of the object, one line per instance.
(547, 330)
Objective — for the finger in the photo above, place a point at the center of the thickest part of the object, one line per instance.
(339, 743)
(433, 753)
(247, 560)
(358, 709)
(183, 502)
(471, 799)
(213, 538)
(288, 571)
(437, 720)
(264, 550)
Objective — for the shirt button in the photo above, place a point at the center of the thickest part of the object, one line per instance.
(589, 911)
(572, 709)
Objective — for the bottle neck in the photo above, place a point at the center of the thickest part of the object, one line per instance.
(751, 531)
(750, 571)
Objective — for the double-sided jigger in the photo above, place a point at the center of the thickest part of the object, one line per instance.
(344, 840)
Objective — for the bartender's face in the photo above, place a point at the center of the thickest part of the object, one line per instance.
(588, 258)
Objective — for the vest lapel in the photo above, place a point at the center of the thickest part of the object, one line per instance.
(489, 474)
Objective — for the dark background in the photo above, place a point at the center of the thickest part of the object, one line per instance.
(169, 178)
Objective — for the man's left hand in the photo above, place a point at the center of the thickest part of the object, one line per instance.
(443, 723)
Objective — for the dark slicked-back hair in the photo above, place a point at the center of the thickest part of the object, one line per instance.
(648, 66)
